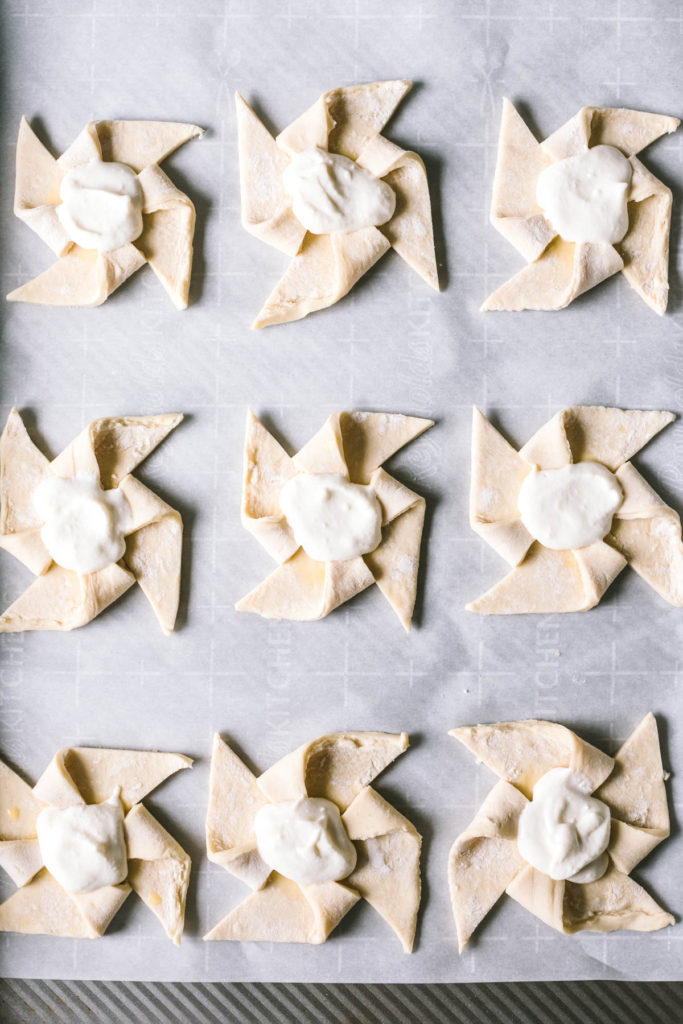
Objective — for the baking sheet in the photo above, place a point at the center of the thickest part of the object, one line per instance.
(391, 345)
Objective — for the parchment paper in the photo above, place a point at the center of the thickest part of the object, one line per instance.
(392, 345)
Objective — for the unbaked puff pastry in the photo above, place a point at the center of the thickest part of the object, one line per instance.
(353, 445)
(158, 868)
(325, 267)
(645, 533)
(86, 277)
(485, 861)
(107, 450)
(558, 271)
(337, 767)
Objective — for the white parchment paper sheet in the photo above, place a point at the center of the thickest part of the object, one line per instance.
(392, 345)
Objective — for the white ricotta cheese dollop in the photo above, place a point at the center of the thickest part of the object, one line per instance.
(570, 507)
(332, 519)
(84, 527)
(564, 831)
(305, 840)
(84, 847)
(101, 205)
(331, 193)
(585, 196)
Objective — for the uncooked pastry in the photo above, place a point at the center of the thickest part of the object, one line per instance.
(158, 868)
(325, 267)
(337, 767)
(353, 444)
(85, 277)
(485, 862)
(559, 271)
(645, 533)
(110, 449)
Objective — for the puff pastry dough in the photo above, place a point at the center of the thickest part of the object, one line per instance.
(324, 268)
(110, 449)
(353, 444)
(645, 533)
(338, 767)
(85, 277)
(158, 868)
(559, 271)
(484, 861)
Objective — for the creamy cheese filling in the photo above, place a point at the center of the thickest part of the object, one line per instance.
(585, 197)
(84, 847)
(332, 519)
(101, 205)
(564, 831)
(570, 507)
(331, 193)
(305, 840)
(84, 527)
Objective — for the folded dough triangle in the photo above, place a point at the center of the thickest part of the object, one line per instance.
(635, 790)
(387, 873)
(484, 860)
(158, 869)
(521, 752)
(92, 772)
(283, 911)
(335, 767)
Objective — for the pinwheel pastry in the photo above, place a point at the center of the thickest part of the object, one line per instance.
(80, 840)
(332, 517)
(541, 837)
(85, 526)
(580, 207)
(311, 837)
(105, 208)
(335, 195)
(569, 512)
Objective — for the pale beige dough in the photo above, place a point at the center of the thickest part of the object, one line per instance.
(485, 862)
(158, 868)
(110, 449)
(645, 532)
(325, 267)
(340, 768)
(85, 277)
(353, 444)
(559, 271)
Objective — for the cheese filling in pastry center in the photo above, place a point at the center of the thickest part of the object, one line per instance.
(585, 196)
(101, 205)
(84, 526)
(83, 846)
(332, 519)
(305, 840)
(571, 507)
(331, 193)
(564, 831)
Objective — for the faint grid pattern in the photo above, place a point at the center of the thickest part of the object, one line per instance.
(390, 345)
